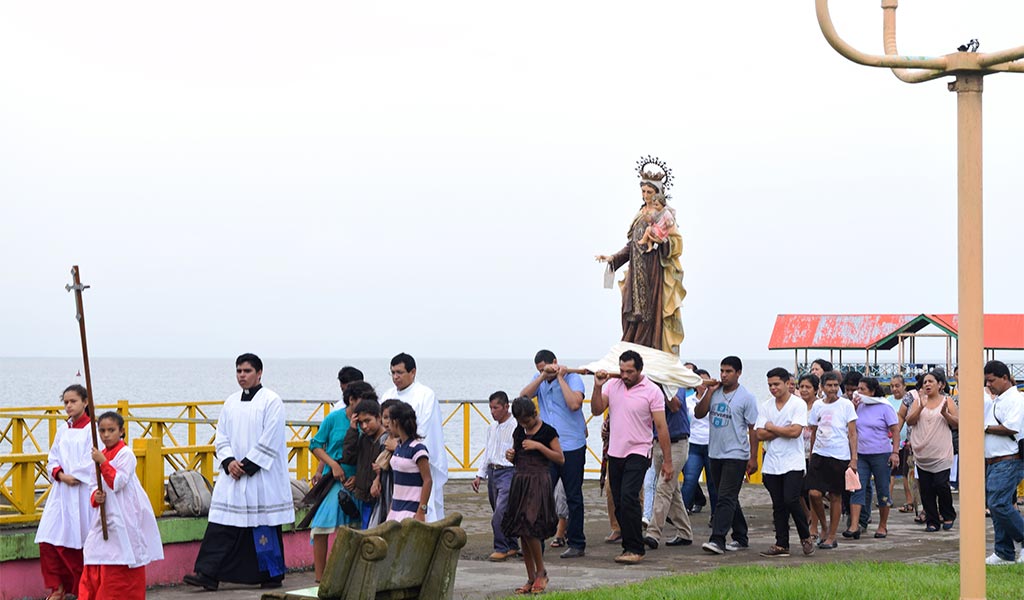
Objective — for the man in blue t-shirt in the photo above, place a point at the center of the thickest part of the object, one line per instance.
(732, 447)
(560, 398)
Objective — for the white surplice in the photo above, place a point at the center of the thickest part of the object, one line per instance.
(428, 421)
(133, 538)
(68, 512)
(253, 430)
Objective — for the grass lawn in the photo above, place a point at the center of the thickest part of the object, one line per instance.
(854, 580)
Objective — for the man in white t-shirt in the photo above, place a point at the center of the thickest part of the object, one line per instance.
(833, 450)
(1004, 421)
(780, 426)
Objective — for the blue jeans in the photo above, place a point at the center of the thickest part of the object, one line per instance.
(1001, 481)
(499, 481)
(876, 465)
(571, 474)
(695, 463)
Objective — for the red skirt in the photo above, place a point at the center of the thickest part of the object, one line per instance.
(112, 582)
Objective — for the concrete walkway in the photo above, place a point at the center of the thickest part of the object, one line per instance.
(477, 578)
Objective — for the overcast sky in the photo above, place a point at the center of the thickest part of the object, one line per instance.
(331, 179)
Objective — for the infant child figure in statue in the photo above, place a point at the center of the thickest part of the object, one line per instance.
(661, 222)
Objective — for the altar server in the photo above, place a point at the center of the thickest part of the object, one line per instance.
(428, 417)
(252, 497)
(115, 568)
(67, 513)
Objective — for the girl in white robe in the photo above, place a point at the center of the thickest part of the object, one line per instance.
(115, 568)
(67, 513)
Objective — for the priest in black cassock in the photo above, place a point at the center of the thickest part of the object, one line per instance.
(252, 497)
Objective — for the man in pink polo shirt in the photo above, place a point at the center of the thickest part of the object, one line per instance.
(636, 405)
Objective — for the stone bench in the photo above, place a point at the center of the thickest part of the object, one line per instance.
(390, 562)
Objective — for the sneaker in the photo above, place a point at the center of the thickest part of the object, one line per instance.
(995, 559)
(735, 546)
(572, 553)
(629, 558)
(502, 556)
(678, 541)
(713, 547)
(775, 551)
(650, 542)
(808, 545)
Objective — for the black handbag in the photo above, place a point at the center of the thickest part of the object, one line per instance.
(348, 505)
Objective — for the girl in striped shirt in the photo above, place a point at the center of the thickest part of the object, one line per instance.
(410, 466)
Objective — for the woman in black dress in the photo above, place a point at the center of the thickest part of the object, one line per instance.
(531, 514)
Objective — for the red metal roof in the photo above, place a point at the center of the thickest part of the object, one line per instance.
(859, 332)
(1002, 332)
(835, 331)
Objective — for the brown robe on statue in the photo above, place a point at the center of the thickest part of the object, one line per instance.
(651, 291)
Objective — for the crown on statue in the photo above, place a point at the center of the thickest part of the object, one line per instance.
(651, 169)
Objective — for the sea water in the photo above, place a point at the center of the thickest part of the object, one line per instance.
(34, 382)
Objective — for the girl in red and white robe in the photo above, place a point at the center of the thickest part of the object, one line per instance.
(115, 568)
(67, 513)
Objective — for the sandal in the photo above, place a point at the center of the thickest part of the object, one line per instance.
(540, 584)
(526, 588)
(615, 536)
(920, 519)
(56, 595)
(908, 508)
(558, 542)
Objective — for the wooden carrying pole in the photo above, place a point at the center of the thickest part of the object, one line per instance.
(90, 407)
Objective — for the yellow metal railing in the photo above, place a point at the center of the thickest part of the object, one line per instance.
(181, 437)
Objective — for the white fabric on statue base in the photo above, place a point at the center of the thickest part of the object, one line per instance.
(659, 366)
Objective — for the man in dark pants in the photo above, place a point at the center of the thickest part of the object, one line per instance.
(780, 425)
(560, 398)
(732, 447)
(636, 407)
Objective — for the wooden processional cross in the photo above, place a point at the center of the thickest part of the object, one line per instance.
(90, 405)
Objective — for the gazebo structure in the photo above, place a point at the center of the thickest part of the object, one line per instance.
(871, 333)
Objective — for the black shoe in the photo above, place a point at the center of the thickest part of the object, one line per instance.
(650, 542)
(678, 541)
(199, 580)
(572, 553)
(270, 585)
(852, 534)
(697, 508)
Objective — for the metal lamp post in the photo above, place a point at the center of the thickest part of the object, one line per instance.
(969, 68)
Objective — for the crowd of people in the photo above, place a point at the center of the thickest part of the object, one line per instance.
(827, 438)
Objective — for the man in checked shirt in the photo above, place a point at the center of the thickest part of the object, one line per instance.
(498, 473)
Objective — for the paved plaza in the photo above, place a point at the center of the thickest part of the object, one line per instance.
(477, 578)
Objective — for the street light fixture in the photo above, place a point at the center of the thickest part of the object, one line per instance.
(968, 67)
